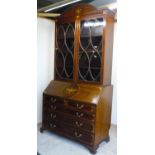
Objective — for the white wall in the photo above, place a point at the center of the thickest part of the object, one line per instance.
(45, 59)
(114, 79)
(45, 43)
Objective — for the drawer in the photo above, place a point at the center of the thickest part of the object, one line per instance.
(76, 122)
(67, 130)
(54, 125)
(77, 114)
(82, 125)
(50, 100)
(82, 106)
(82, 136)
(57, 105)
(70, 120)
(47, 116)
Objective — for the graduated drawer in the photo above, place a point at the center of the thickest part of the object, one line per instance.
(65, 129)
(70, 120)
(84, 107)
(77, 114)
(56, 104)
(82, 136)
(51, 100)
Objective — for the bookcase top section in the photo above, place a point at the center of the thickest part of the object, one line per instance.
(81, 10)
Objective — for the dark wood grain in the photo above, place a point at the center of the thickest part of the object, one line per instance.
(87, 111)
(77, 109)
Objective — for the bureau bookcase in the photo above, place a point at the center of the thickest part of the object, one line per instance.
(77, 103)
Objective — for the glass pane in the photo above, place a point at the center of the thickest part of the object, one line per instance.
(60, 37)
(59, 63)
(69, 65)
(95, 60)
(84, 60)
(84, 36)
(65, 46)
(83, 65)
(70, 37)
(90, 49)
(96, 33)
(95, 73)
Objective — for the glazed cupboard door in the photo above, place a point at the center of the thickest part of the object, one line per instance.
(90, 50)
(64, 53)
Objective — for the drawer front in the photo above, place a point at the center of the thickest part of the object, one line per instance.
(82, 107)
(77, 114)
(80, 125)
(79, 110)
(52, 124)
(50, 100)
(70, 120)
(82, 136)
(73, 133)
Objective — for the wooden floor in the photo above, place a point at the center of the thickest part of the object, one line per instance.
(51, 144)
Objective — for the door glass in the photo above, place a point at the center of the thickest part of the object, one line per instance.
(65, 51)
(90, 51)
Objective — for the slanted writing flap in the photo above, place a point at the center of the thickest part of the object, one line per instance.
(56, 88)
(87, 93)
(80, 92)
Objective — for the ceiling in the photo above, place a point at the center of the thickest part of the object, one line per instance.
(96, 3)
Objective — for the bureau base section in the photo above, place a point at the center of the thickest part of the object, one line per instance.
(91, 147)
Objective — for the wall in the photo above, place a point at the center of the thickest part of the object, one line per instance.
(114, 79)
(45, 59)
(46, 35)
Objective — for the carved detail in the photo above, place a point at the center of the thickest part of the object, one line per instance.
(78, 12)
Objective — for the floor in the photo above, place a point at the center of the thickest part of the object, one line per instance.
(51, 144)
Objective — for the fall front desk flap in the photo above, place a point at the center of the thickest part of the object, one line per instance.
(80, 92)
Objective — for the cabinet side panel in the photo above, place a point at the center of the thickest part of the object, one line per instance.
(103, 115)
(109, 31)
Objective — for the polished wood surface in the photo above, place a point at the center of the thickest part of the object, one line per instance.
(86, 12)
(85, 93)
(86, 113)
(80, 109)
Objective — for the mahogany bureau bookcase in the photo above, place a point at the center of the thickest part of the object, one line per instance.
(77, 103)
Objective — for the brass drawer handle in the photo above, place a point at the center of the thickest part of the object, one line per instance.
(78, 124)
(79, 106)
(53, 116)
(53, 107)
(78, 135)
(79, 114)
(52, 125)
(53, 100)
